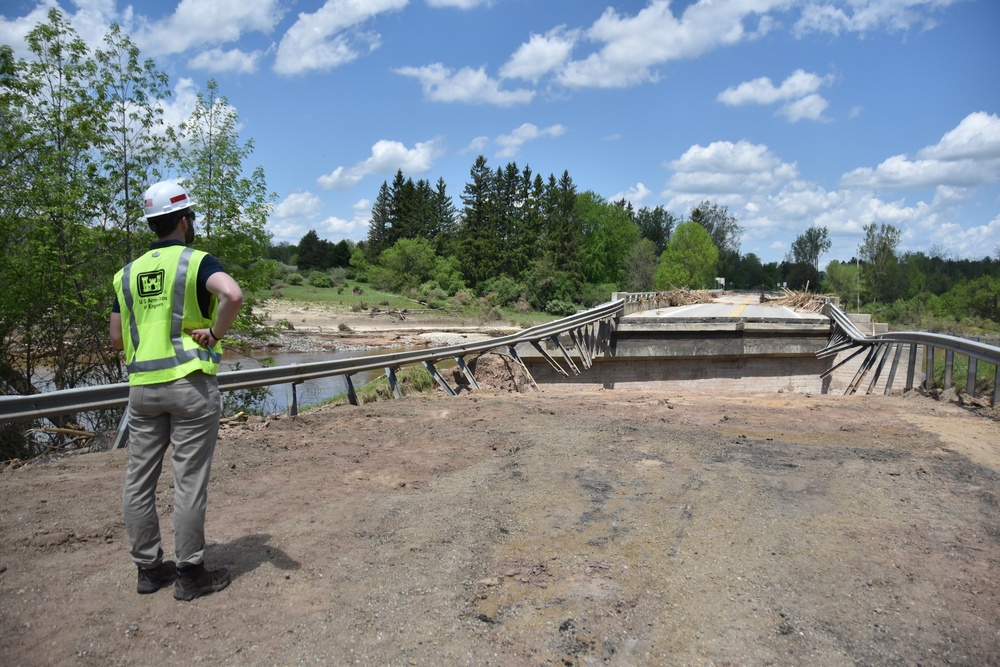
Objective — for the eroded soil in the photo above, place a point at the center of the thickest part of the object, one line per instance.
(551, 527)
(542, 528)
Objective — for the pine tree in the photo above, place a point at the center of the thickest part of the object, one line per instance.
(478, 248)
(380, 225)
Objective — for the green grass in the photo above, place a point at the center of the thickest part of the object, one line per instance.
(350, 295)
(985, 373)
(412, 380)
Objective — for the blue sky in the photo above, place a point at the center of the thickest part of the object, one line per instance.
(836, 113)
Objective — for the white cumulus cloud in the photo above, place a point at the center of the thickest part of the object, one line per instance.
(220, 60)
(457, 4)
(540, 55)
(297, 205)
(387, 157)
(798, 92)
(473, 86)
(330, 36)
(967, 156)
(197, 23)
(726, 167)
(511, 143)
(864, 16)
(632, 46)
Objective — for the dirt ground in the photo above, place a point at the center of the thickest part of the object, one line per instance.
(550, 527)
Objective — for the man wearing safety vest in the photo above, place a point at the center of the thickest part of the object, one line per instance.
(174, 305)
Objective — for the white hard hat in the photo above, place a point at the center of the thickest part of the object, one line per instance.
(164, 197)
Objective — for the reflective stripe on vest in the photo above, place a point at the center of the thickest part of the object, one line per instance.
(181, 355)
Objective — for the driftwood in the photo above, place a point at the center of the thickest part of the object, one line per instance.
(806, 301)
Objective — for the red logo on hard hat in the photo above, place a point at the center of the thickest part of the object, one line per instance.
(180, 197)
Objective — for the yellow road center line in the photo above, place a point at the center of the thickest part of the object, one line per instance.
(739, 310)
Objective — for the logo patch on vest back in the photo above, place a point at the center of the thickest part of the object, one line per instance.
(151, 283)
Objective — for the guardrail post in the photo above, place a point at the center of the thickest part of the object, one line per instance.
(432, 369)
(466, 372)
(996, 386)
(352, 396)
(949, 363)
(291, 399)
(970, 379)
(892, 370)
(121, 436)
(928, 367)
(390, 375)
(911, 367)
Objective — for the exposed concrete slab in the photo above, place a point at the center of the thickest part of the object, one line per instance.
(728, 346)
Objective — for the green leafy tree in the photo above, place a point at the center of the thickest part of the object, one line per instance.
(19, 145)
(880, 268)
(689, 259)
(609, 236)
(406, 265)
(54, 314)
(721, 225)
(843, 279)
(980, 297)
(809, 246)
(135, 140)
(233, 206)
(641, 266)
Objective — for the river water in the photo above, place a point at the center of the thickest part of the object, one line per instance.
(309, 392)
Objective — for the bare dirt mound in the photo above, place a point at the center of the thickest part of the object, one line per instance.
(540, 528)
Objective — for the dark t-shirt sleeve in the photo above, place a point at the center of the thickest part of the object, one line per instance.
(209, 266)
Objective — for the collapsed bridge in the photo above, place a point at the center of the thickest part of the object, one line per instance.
(726, 342)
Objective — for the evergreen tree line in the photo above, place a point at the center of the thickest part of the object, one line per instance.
(522, 240)
(82, 135)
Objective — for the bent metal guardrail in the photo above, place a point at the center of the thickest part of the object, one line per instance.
(845, 335)
(588, 331)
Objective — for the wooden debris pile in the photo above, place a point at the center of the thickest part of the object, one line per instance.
(679, 297)
(805, 301)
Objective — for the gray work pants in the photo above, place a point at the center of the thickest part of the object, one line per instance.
(186, 413)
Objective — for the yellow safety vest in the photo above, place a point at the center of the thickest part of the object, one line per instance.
(158, 297)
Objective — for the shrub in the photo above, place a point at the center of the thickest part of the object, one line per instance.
(294, 279)
(432, 294)
(560, 308)
(463, 297)
(503, 290)
(320, 279)
(338, 275)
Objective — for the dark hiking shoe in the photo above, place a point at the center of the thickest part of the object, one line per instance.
(198, 581)
(155, 578)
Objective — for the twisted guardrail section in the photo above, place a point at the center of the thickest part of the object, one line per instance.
(589, 331)
(846, 336)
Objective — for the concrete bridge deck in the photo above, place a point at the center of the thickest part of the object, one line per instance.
(734, 343)
(728, 307)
